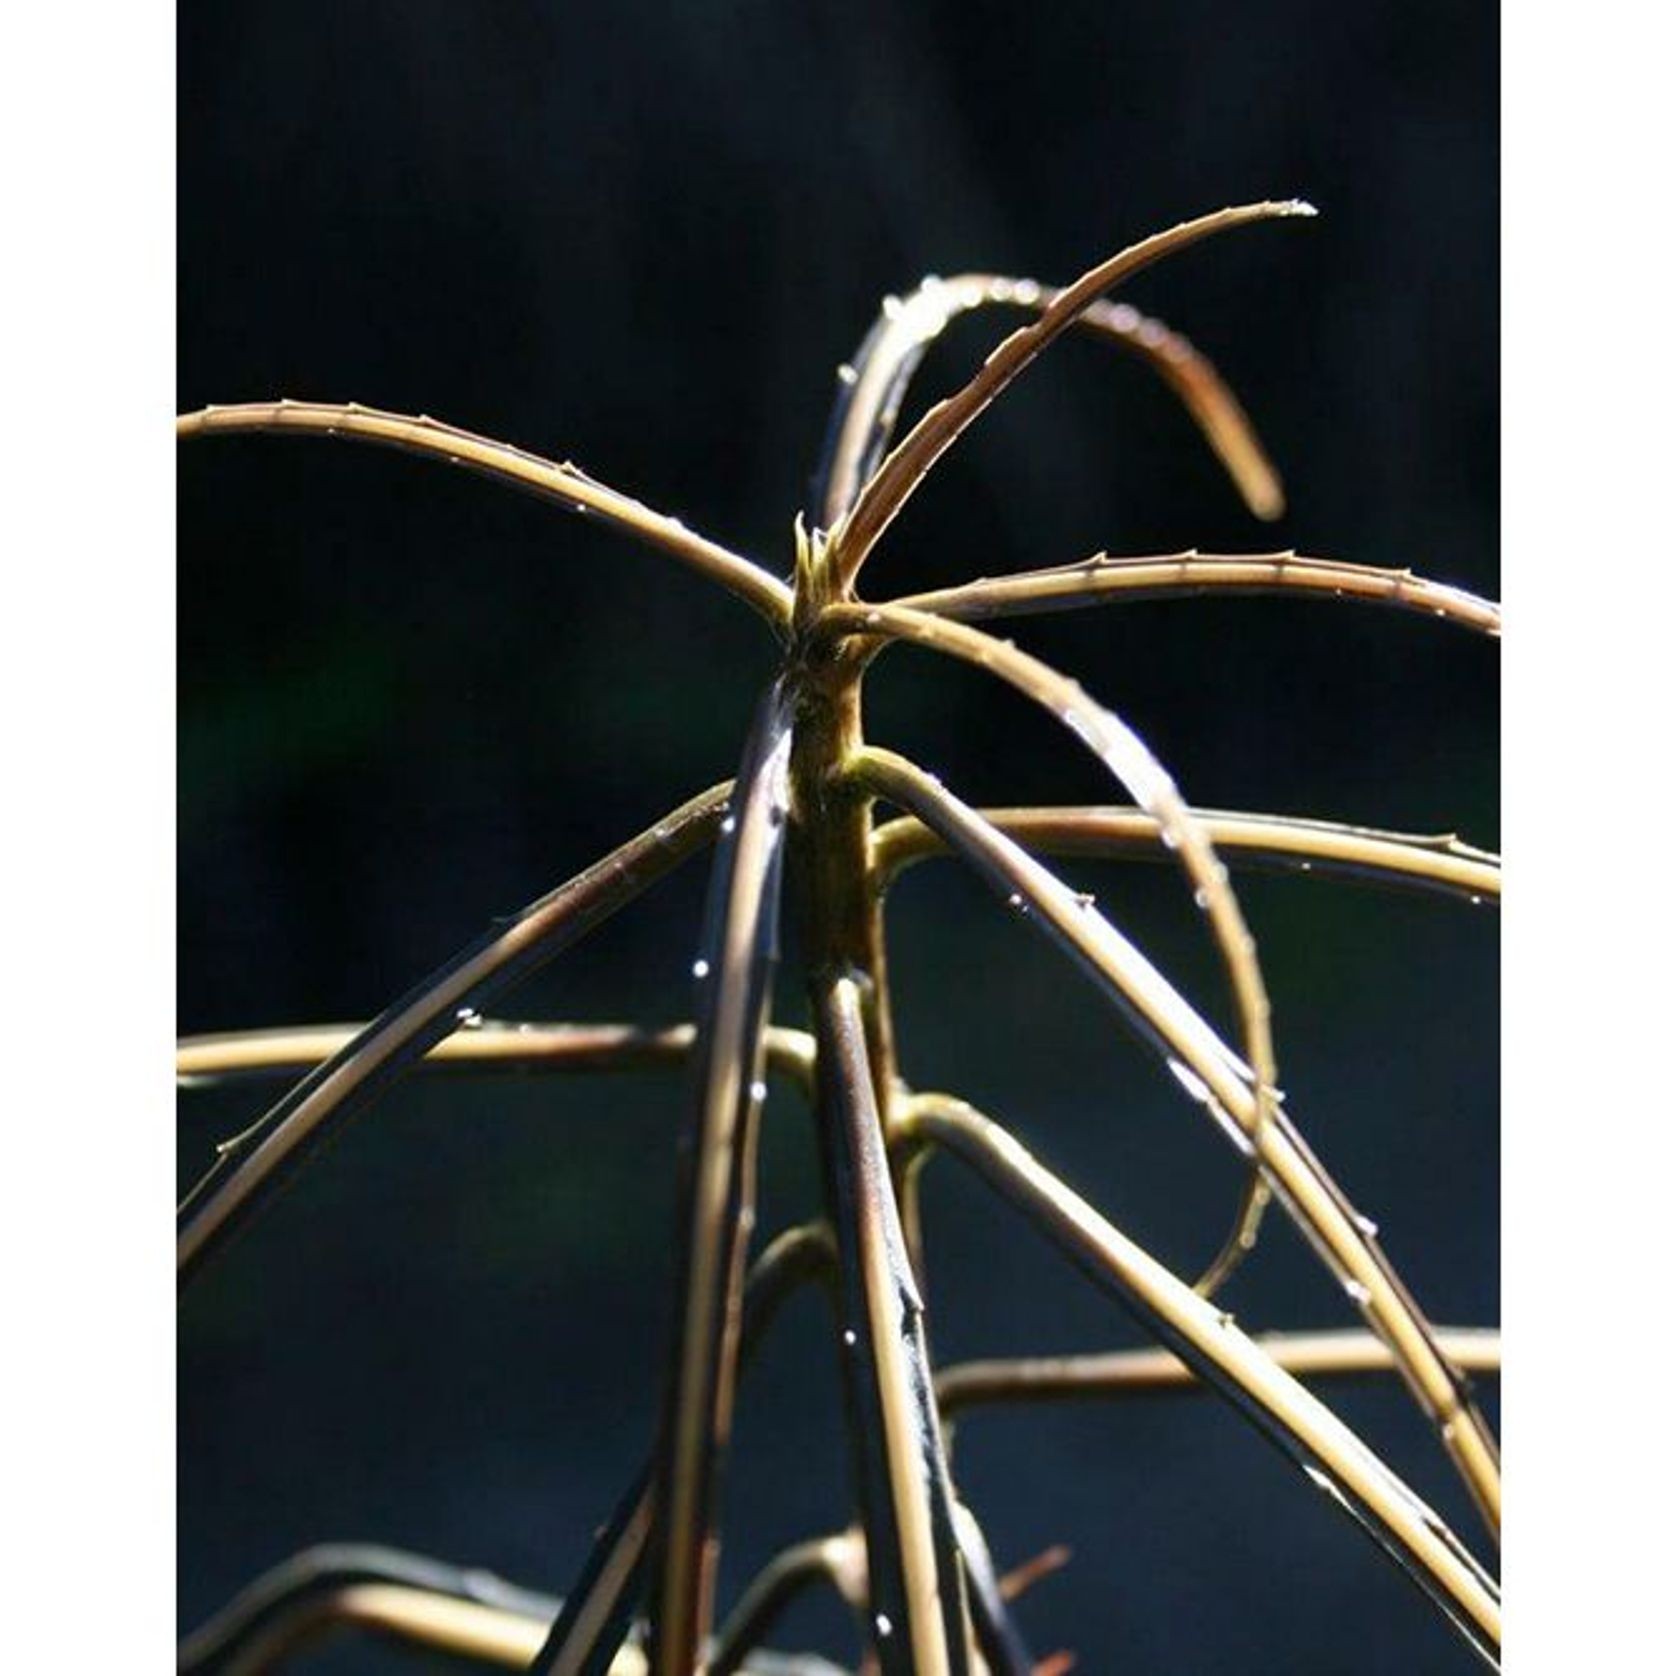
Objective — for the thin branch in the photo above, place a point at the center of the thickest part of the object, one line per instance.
(567, 484)
(488, 1045)
(1000, 1641)
(887, 491)
(465, 1613)
(1431, 861)
(1103, 580)
(1189, 373)
(589, 1631)
(251, 1165)
(735, 974)
(1120, 1373)
(838, 1560)
(464, 1610)
(1126, 756)
(1344, 1239)
(871, 391)
(918, 1625)
(1328, 1452)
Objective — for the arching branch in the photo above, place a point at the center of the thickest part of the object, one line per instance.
(1429, 861)
(252, 1164)
(734, 973)
(1344, 1239)
(1326, 1450)
(568, 485)
(887, 491)
(871, 390)
(1103, 580)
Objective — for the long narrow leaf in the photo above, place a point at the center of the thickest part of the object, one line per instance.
(1213, 1076)
(1328, 1452)
(999, 1639)
(887, 491)
(913, 1559)
(254, 1163)
(589, 1631)
(1126, 756)
(464, 1614)
(1118, 1373)
(1428, 861)
(734, 974)
(871, 389)
(424, 1600)
(837, 1560)
(488, 1045)
(567, 484)
(1103, 580)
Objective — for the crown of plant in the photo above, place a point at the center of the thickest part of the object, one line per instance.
(802, 821)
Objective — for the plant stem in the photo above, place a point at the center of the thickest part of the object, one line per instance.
(735, 981)
(254, 1163)
(1437, 862)
(1329, 1453)
(1103, 580)
(566, 484)
(916, 1588)
(493, 1045)
(1326, 1355)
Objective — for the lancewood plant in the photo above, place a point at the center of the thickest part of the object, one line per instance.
(820, 820)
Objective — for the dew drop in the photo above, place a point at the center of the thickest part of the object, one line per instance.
(701, 968)
(849, 1337)
(1196, 1086)
(729, 826)
(468, 1018)
(882, 1624)
(1015, 901)
(759, 1091)
(872, 619)
(846, 374)
(1357, 1293)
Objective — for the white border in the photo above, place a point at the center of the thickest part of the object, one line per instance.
(1589, 1200)
(87, 793)
(87, 657)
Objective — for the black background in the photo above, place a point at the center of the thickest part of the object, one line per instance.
(643, 237)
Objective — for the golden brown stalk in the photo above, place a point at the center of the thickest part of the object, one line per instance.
(1117, 1373)
(1103, 580)
(1126, 756)
(589, 1631)
(915, 1582)
(1324, 1448)
(887, 491)
(338, 1586)
(566, 484)
(735, 977)
(251, 1165)
(839, 1560)
(1433, 861)
(489, 1045)
(873, 389)
(1190, 374)
(1344, 1239)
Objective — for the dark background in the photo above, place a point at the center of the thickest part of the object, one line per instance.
(643, 236)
